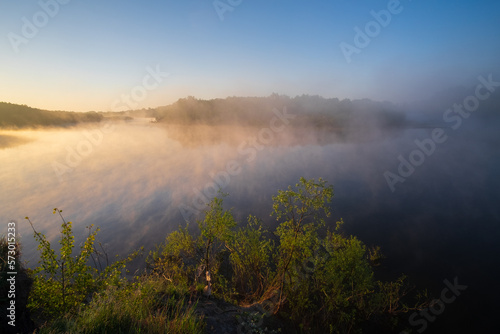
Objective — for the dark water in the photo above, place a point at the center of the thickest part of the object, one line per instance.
(441, 223)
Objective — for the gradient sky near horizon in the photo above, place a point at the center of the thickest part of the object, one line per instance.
(91, 53)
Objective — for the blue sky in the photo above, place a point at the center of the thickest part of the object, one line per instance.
(86, 55)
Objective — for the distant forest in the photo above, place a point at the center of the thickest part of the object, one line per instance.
(22, 116)
(315, 111)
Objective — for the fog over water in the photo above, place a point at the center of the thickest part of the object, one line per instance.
(137, 180)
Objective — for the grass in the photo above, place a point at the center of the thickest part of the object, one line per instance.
(151, 305)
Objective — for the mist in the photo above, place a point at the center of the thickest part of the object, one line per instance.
(140, 180)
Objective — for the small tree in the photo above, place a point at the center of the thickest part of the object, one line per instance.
(250, 259)
(177, 259)
(62, 282)
(301, 208)
(326, 284)
(342, 283)
(216, 231)
(184, 256)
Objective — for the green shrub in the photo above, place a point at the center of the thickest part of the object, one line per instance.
(63, 282)
(327, 284)
(301, 208)
(186, 259)
(251, 257)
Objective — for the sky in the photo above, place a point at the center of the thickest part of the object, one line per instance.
(116, 55)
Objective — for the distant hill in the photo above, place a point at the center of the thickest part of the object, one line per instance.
(315, 110)
(194, 121)
(310, 111)
(22, 116)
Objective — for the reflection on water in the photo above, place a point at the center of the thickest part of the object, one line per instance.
(133, 178)
(9, 139)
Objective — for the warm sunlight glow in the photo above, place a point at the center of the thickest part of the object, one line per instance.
(312, 166)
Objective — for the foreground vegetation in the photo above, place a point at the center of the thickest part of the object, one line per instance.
(148, 305)
(313, 279)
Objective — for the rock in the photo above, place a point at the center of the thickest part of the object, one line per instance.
(225, 318)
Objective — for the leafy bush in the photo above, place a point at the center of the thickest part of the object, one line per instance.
(63, 282)
(187, 258)
(327, 284)
(298, 236)
(250, 257)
